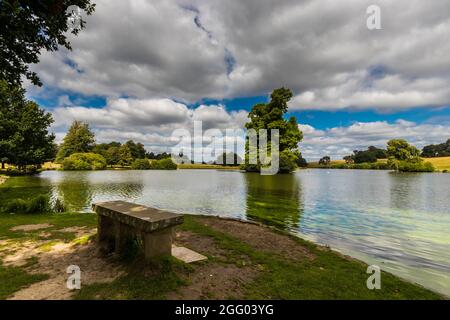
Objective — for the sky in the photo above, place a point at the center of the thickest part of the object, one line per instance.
(144, 68)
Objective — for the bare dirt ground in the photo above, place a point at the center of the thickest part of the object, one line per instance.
(53, 259)
(216, 278)
(212, 280)
(31, 227)
(259, 237)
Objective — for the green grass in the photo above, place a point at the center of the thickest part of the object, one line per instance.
(13, 279)
(57, 220)
(327, 276)
(440, 164)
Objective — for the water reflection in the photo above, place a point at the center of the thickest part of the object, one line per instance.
(78, 190)
(274, 200)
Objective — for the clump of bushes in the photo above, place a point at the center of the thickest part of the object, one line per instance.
(140, 164)
(358, 166)
(84, 161)
(287, 164)
(163, 164)
(39, 204)
(415, 165)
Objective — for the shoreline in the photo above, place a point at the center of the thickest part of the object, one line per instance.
(246, 260)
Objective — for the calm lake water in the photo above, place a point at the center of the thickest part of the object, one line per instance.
(400, 222)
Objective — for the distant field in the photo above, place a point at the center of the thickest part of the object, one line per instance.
(440, 164)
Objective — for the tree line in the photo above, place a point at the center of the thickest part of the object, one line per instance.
(400, 155)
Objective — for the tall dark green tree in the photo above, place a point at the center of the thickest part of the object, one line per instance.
(137, 149)
(79, 139)
(271, 116)
(27, 27)
(24, 136)
(437, 150)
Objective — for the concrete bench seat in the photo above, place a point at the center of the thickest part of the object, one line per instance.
(120, 221)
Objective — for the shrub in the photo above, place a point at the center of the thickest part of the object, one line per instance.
(39, 204)
(415, 165)
(59, 206)
(140, 164)
(16, 206)
(84, 161)
(163, 164)
(286, 165)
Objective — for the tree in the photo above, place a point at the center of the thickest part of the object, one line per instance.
(437, 150)
(349, 159)
(405, 157)
(140, 164)
(84, 161)
(228, 159)
(325, 161)
(24, 136)
(79, 139)
(401, 150)
(271, 116)
(372, 154)
(125, 156)
(301, 162)
(112, 156)
(27, 27)
(137, 149)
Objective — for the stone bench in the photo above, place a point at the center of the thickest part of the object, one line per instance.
(120, 221)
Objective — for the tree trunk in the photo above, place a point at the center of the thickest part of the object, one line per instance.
(3, 165)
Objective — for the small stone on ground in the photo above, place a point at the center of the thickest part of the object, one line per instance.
(186, 255)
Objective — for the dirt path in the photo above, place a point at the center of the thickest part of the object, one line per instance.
(3, 179)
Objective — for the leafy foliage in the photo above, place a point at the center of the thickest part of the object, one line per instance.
(270, 116)
(84, 161)
(79, 139)
(401, 150)
(372, 154)
(228, 159)
(125, 156)
(163, 164)
(27, 28)
(24, 136)
(39, 204)
(437, 150)
(406, 158)
(141, 164)
(325, 161)
(137, 149)
(159, 156)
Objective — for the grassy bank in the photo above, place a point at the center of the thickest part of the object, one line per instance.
(206, 166)
(440, 164)
(245, 261)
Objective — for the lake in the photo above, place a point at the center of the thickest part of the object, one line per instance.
(400, 222)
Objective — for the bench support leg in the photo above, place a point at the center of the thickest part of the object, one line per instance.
(105, 233)
(123, 234)
(158, 243)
